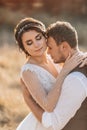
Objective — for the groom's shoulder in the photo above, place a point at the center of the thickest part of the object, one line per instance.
(83, 70)
(75, 76)
(75, 80)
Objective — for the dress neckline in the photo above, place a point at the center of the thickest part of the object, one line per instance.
(42, 68)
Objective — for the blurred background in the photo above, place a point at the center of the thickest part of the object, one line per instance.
(12, 106)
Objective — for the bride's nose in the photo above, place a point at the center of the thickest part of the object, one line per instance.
(36, 44)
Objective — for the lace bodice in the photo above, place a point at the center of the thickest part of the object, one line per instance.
(45, 77)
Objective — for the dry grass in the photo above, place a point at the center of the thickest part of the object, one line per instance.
(12, 106)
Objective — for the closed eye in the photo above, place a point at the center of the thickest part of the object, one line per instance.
(39, 37)
(29, 42)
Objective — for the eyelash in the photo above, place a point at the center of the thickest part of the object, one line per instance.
(29, 43)
(38, 38)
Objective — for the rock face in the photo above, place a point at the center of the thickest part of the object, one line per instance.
(73, 6)
(78, 7)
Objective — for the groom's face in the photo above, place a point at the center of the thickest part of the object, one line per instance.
(56, 51)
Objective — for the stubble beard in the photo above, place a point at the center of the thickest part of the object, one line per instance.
(61, 60)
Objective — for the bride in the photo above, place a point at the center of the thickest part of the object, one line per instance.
(40, 75)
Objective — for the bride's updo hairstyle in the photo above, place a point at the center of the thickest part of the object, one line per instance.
(25, 25)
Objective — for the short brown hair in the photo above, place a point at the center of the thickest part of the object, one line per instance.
(63, 31)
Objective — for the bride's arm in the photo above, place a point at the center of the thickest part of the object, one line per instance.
(48, 100)
(34, 107)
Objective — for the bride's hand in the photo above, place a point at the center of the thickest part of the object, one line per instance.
(72, 62)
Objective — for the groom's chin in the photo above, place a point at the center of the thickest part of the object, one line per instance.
(59, 61)
(56, 62)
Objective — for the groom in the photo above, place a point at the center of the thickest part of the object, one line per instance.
(71, 110)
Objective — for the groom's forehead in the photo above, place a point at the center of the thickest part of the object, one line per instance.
(50, 41)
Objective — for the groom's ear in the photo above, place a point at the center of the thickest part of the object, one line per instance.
(65, 45)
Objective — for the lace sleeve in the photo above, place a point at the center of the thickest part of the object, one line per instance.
(33, 80)
(26, 67)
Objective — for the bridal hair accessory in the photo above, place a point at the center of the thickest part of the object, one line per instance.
(30, 25)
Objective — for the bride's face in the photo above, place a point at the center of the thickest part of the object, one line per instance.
(34, 43)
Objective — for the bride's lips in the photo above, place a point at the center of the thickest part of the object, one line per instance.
(39, 49)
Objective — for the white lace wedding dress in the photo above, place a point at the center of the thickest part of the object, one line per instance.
(47, 81)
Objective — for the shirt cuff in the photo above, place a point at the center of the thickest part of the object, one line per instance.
(46, 119)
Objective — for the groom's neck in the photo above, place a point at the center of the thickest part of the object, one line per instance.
(74, 50)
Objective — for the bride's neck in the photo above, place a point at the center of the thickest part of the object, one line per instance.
(38, 60)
